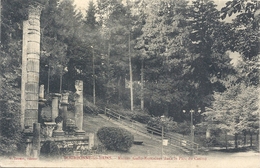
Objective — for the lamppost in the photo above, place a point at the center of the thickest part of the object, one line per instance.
(162, 119)
(192, 127)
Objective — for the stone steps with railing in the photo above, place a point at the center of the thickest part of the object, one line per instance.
(174, 140)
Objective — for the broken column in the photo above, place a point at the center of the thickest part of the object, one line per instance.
(55, 114)
(79, 108)
(30, 73)
(64, 108)
(55, 106)
(41, 92)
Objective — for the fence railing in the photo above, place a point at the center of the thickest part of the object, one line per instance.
(174, 139)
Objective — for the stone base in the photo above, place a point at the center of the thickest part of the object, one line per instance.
(58, 133)
(79, 133)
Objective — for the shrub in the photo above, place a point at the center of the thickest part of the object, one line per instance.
(115, 138)
(141, 117)
(155, 125)
(183, 128)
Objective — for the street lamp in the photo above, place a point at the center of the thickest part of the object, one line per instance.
(162, 119)
(192, 127)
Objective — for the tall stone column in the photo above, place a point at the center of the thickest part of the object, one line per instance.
(79, 107)
(32, 66)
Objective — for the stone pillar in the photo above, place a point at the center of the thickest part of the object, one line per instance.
(64, 108)
(55, 106)
(79, 107)
(36, 139)
(32, 67)
(41, 92)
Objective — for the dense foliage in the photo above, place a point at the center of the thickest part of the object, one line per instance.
(114, 138)
(10, 134)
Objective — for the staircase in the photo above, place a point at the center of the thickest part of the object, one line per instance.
(174, 140)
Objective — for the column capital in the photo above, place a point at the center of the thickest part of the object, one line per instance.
(35, 8)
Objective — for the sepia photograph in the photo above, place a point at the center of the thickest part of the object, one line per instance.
(130, 83)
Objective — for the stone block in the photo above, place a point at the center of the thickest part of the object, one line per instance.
(33, 65)
(31, 88)
(31, 96)
(32, 104)
(33, 77)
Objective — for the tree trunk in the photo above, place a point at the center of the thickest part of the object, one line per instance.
(244, 138)
(226, 141)
(251, 139)
(108, 70)
(94, 77)
(236, 144)
(119, 88)
(142, 85)
(60, 82)
(131, 75)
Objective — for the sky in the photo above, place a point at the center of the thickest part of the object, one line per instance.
(83, 4)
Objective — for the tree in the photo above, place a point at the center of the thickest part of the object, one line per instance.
(245, 25)
(114, 17)
(230, 114)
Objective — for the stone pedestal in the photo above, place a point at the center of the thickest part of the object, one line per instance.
(49, 127)
(58, 131)
(79, 108)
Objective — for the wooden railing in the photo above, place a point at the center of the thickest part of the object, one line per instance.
(174, 139)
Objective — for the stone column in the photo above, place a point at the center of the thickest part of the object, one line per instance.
(64, 108)
(32, 67)
(79, 107)
(55, 106)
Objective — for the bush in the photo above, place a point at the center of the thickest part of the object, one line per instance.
(141, 117)
(183, 128)
(155, 125)
(115, 138)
